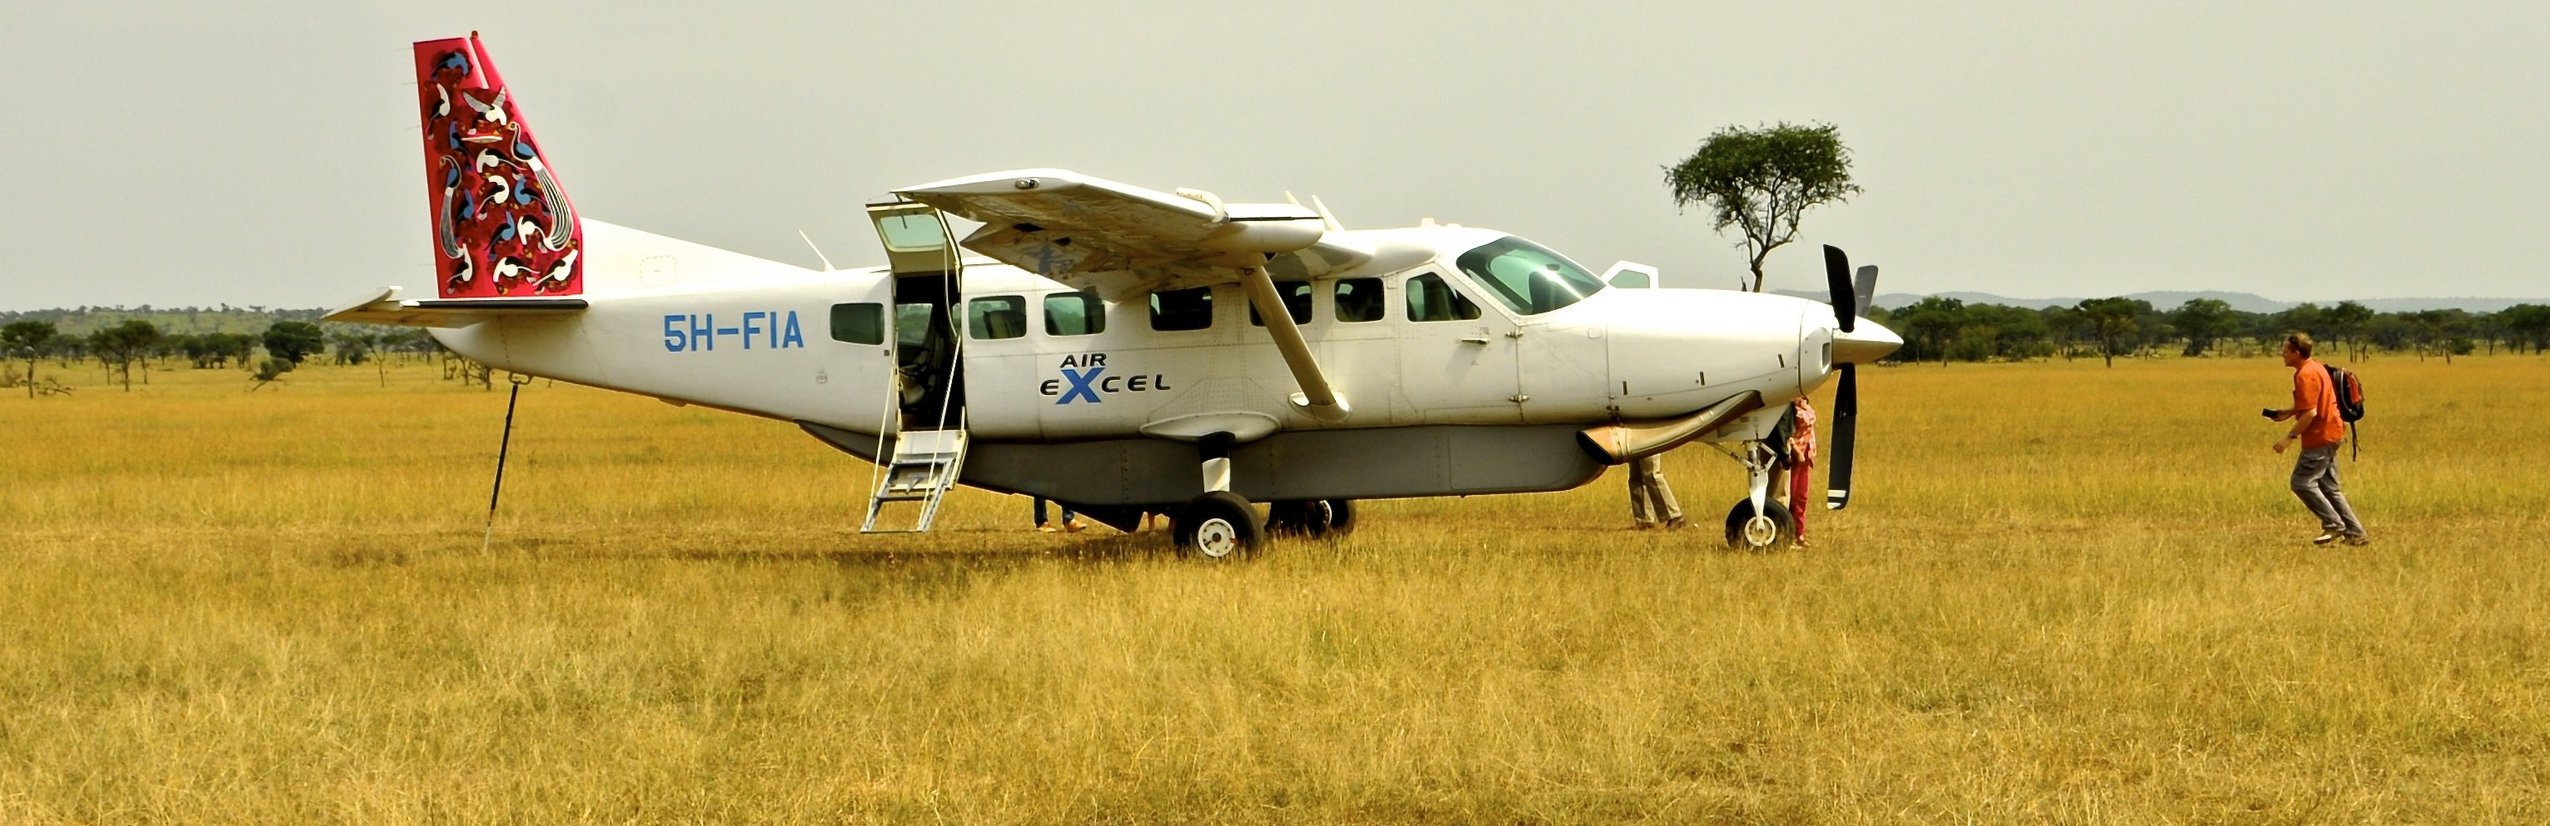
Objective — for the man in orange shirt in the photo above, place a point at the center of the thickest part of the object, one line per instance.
(2317, 426)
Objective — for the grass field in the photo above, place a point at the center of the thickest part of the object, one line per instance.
(2065, 593)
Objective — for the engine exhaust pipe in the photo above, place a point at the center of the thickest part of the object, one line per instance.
(1614, 444)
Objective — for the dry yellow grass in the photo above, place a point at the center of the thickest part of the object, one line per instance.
(2066, 593)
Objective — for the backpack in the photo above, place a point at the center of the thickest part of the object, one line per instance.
(2350, 404)
(2350, 394)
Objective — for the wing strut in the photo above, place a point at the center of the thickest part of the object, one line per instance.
(1316, 398)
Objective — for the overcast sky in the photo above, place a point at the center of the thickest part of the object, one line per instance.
(174, 153)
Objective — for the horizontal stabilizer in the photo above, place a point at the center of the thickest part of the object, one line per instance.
(450, 313)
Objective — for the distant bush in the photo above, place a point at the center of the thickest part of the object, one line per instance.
(270, 370)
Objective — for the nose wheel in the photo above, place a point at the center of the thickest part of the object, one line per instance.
(1756, 531)
(1758, 522)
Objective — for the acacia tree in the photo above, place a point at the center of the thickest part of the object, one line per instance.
(209, 350)
(28, 340)
(350, 346)
(2061, 323)
(2202, 320)
(121, 345)
(2112, 319)
(294, 341)
(2444, 332)
(2526, 324)
(1928, 326)
(1763, 180)
(2349, 323)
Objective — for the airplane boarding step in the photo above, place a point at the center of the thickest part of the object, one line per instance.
(924, 466)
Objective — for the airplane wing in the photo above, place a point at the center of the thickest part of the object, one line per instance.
(1123, 240)
(386, 308)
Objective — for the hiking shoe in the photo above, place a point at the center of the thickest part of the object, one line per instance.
(1044, 529)
(2359, 540)
(2327, 537)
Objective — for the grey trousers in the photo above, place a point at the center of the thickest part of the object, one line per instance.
(1650, 499)
(2315, 480)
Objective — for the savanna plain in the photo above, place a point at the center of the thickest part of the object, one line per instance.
(2066, 593)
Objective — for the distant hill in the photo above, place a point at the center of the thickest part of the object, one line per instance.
(2171, 299)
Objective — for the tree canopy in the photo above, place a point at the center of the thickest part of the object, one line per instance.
(28, 340)
(1938, 329)
(121, 345)
(2114, 321)
(294, 341)
(2202, 320)
(1763, 180)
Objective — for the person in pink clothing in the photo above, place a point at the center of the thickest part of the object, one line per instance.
(1801, 461)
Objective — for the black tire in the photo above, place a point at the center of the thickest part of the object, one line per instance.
(1219, 526)
(1311, 519)
(1341, 517)
(1783, 531)
(1293, 518)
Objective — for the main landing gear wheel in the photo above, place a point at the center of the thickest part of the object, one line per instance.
(1218, 526)
(1315, 518)
(1749, 531)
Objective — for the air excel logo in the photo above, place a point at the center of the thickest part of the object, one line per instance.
(1085, 379)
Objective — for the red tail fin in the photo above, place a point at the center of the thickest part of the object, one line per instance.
(502, 226)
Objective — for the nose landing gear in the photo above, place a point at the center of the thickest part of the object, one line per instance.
(1757, 523)
(1757, 531)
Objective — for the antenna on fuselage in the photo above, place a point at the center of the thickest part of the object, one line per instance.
(810, 242)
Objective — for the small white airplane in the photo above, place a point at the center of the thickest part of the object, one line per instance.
(1122, 350)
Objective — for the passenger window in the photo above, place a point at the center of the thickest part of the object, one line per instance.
(1429, 299)
(999, 316)
(1176, 310)
(1296, 296)
(1075, 314)
(858, 323)
(1359, 299)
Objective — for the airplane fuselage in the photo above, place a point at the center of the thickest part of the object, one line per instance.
(1079, 399)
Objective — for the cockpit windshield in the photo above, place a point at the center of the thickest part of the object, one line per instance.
(1527, 277)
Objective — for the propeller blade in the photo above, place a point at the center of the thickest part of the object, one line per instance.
(1837, 275)
(1837, 487)
(1867, 287)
